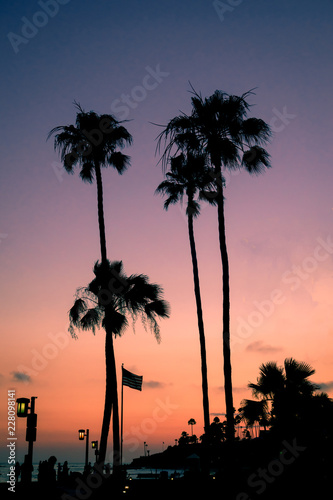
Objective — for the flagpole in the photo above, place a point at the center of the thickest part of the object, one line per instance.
(122, 417)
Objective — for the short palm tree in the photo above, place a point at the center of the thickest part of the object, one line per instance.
(189, 176)
(231, 140)
(191, 422)
(254, 411)
(128, 297)
(285, 393)
(93, 143)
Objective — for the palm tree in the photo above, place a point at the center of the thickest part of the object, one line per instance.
(93, 143)
(188, 175)
(254, 411)
(231, 140)
(129, 297)
(191, 422)
(184, 439)
(287, 391)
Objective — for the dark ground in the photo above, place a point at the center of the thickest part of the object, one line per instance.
(260, 469)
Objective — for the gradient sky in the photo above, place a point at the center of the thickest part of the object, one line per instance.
(279, 225)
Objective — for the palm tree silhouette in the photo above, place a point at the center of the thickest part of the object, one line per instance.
(191, 422)
(189, 175)
(93, 143)
(254, 411)
(285, 393)
(126, 297)
(231, 140)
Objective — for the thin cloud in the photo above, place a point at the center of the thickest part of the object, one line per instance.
(326, 386)
(234, 390)
(21, 377)
(259, 346)
(153, 384)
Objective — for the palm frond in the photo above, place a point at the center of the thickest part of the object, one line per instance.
(87, 172)
(120, 161)
(76, 311)
(256, 160)
(174, 191)
(255, 131)
(91, 319)
(158, 308)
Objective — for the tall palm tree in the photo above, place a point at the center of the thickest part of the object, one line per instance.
(189, 175)
(93, 143)
(231, 140)
(129, 297)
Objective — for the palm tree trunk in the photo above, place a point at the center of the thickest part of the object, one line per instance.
(111, 401)
(111, 390)
(107, 401)
(100, 212)
(226, 306)
(200, 325)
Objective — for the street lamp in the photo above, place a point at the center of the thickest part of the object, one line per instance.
(85, 434)
(81, 434)
(23, 410)
(94, 445)
(22, 407)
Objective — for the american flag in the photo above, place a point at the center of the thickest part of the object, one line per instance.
(132, 380)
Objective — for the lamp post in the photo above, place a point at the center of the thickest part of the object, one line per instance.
(94, 445)
(85, 434)
(23, 410)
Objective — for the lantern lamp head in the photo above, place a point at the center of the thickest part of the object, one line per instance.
(81, 434)
(22, 407)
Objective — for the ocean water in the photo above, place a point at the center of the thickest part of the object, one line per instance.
(79, 467)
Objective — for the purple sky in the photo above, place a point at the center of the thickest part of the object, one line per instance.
(135, 59)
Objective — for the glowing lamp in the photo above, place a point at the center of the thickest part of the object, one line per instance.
(81, 434)
(94, 444)
(22, 407)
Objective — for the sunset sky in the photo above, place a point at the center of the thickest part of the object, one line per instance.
(135, 60)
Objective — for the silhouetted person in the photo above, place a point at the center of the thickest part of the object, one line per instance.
(65, 470)
(51, 473)
(42, 472)
(59, 472)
